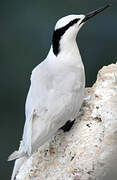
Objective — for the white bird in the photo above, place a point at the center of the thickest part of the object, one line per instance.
(57, 88)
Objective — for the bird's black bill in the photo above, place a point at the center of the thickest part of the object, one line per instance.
(93, 13)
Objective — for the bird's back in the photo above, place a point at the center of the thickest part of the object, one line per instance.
(55, 96)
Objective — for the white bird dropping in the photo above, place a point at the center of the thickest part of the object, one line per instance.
(57, 88)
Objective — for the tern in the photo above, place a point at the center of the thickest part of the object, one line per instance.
(57, 89)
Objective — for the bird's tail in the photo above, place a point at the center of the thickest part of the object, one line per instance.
(20, 157)
(17, 165)
(16, 155)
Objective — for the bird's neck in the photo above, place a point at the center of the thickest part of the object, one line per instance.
(68, 46)
(68, 51)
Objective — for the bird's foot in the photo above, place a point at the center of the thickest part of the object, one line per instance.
(68, 125)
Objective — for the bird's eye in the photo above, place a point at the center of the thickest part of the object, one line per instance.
(74, 21)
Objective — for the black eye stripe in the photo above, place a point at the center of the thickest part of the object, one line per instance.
(71, 23)
(58, 33)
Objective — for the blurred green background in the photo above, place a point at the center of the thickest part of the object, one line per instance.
(26, 29)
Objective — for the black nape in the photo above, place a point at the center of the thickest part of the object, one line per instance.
(58, 34)
(68, 125)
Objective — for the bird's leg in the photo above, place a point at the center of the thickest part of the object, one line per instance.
(68, 125)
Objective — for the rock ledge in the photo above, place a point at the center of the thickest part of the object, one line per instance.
(87, 150)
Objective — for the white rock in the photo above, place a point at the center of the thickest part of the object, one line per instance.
(86, 151)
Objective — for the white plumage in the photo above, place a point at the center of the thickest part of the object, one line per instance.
(56, 91)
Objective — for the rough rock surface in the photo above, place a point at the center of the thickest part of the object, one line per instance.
(86, 151)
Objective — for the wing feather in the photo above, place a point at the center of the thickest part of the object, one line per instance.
(51, 101)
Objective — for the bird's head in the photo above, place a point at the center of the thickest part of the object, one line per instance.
(67, 27)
